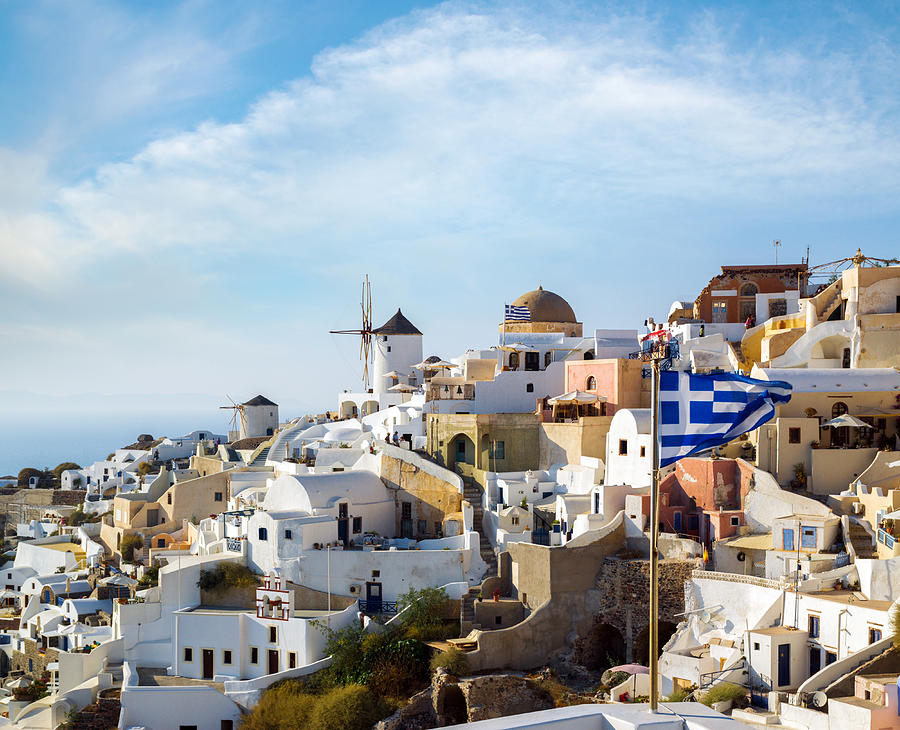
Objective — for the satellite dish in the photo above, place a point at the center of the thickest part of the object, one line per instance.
(819, 699)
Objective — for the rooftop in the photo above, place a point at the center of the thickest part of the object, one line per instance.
(397, 325)
(259, 400)
(850, 597)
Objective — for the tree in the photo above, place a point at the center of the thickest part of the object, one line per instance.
(64, 466)
(128, 545)
(144, 468)
(27, 473)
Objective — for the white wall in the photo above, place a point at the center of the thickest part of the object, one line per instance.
(631, 468)
(405, 351)
(508, 392)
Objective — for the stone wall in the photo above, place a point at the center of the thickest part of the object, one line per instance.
(24, 505)
(624, 587)
(431, 497)
(39, 659)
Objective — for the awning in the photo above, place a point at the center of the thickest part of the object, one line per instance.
(576, 396)
(846, 420)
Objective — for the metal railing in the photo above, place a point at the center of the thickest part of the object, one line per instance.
(373, 608)
(707, 678)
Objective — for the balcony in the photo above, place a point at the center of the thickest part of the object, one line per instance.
(459, 391)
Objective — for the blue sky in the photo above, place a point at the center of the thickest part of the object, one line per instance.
(192, 192)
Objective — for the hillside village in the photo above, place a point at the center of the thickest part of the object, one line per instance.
(515, 477)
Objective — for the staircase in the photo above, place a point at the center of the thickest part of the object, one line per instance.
(862, 541)
(261, 457)
(473, 495)
(467, 608)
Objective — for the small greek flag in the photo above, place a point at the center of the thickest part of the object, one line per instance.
(517, 314)
(699, 412)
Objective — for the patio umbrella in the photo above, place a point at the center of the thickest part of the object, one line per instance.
(436, 365)
(846, 420)
(575, 396)
(403, 388)
(18, 683)
(392, 374)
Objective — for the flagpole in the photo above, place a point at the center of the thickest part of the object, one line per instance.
(654, 538)
(503, 339)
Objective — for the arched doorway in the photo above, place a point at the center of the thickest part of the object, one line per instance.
(602, 648)
(461, 451)
(641, 652)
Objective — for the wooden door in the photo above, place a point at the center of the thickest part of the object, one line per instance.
(208, 663)
(273, 661)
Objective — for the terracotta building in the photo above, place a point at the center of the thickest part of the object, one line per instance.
(740, 292)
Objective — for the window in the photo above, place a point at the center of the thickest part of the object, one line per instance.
(169, 499)
(226, 725)
(838, 409)
(693, 523)
(376, 573)
(263, 533)
(643, 451)
(292, 660)
(548, 358)
(830, 658)
(793, 435)
(498, 449)
(755, 646)
(273, 634)
(808, 538)
(160, 543)
(254, 655)
(749, 290)
(813, 626)
(357, 525)
(514, 361)
(288, 534)
(188, 654)
(498, 620)
(388, 348)
(874, 635)
(187, 727)
(422, 527)
(529, 388)
(514, 520)
(735, 521)
(226, 656)
(591, 383)
(217, 497)
(623, 447)
(406, 510)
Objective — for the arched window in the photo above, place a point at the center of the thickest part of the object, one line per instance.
(591, 383)
(514, 360)
(749, 290)
(589, 355)
(838, 409)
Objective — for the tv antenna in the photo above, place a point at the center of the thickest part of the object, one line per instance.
(364, 332)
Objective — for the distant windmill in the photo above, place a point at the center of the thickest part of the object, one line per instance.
(238, 411)
(364, 332)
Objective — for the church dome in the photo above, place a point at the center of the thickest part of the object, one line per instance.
(545, 306)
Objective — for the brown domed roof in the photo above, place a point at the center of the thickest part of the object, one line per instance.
(545, 306)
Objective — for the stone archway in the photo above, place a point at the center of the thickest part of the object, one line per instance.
(461, 451)
(603, 647)
(641, 651)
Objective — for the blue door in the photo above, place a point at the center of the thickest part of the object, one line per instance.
(788, 538)
(676, 521)
(784, 665)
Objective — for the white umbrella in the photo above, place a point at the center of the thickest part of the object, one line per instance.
(436, 365)
(518, 347)
(846, 420)
(403, 388)
(392, 374)
(576, 396)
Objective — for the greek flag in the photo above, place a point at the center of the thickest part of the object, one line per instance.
(699, 412)
(517, 314)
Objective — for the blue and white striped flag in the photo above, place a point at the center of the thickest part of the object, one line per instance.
(517, 314)
(699, 412)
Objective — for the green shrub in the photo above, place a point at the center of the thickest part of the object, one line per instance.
(227, 575)
(678, 695)
(283, 705)
(345, 708)
(453, 660)
(128, 545)
(150, 577)
(292, 705)
(65, 466)
(425, 610)
(721, 692)
(616, 678)
(28, 472)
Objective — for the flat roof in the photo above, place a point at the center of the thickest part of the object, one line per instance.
(778, 631)
(848, 597)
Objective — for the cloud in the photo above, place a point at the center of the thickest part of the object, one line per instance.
(457, 119)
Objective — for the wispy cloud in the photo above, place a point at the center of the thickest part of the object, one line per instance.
(470, 138)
